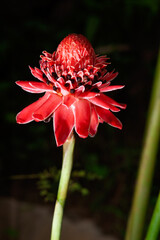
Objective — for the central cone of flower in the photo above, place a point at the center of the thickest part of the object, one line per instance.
(74, 81)
(75, 51)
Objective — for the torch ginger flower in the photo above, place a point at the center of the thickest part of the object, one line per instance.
(74, 80)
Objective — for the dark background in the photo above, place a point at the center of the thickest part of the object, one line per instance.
(128, 32)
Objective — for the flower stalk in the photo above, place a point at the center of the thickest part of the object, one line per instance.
(68, 148)
(147, 163)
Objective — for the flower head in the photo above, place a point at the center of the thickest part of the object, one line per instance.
(74, 81)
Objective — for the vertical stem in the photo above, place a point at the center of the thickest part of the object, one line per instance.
(147, 163)
(68, 148)
(154, 227)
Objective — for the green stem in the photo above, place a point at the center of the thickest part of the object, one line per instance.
(68, 148)
(147, 163)
(154, 227)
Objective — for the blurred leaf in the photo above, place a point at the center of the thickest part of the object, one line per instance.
(48, 180)
(114, 210)
(154, 226)
(4, 86)
(153, 5)
(93, 166)
(80, 173)
(92, 26)
(4, 46)
(38, 25)
(95, 4)
(76, 187)
(10, 117)
(12, 233)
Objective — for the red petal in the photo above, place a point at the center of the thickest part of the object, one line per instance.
(109, 117)
(69, 100)
(37, 73)
(82, 110)
(102, 101)
(62, 88)
(80, 89)
(113, 102)
(110, 88)
(47, 108)
(34, 87)
(110, 76)
(63, 124)
(94, 122)
(87, 95)
(25, 115)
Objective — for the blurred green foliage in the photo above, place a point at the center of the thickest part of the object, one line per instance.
(49, 179)
(12, 234)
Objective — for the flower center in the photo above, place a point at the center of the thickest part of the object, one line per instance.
(75, 51)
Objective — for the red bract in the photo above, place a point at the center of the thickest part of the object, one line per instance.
(74, 80)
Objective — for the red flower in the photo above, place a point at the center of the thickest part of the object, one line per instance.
(74, 80)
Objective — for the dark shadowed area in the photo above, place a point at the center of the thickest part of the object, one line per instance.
(105, 167)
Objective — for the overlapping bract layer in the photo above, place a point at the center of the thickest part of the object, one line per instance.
(74, 80)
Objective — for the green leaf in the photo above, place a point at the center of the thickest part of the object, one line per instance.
(92, 26)
(154, 227)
